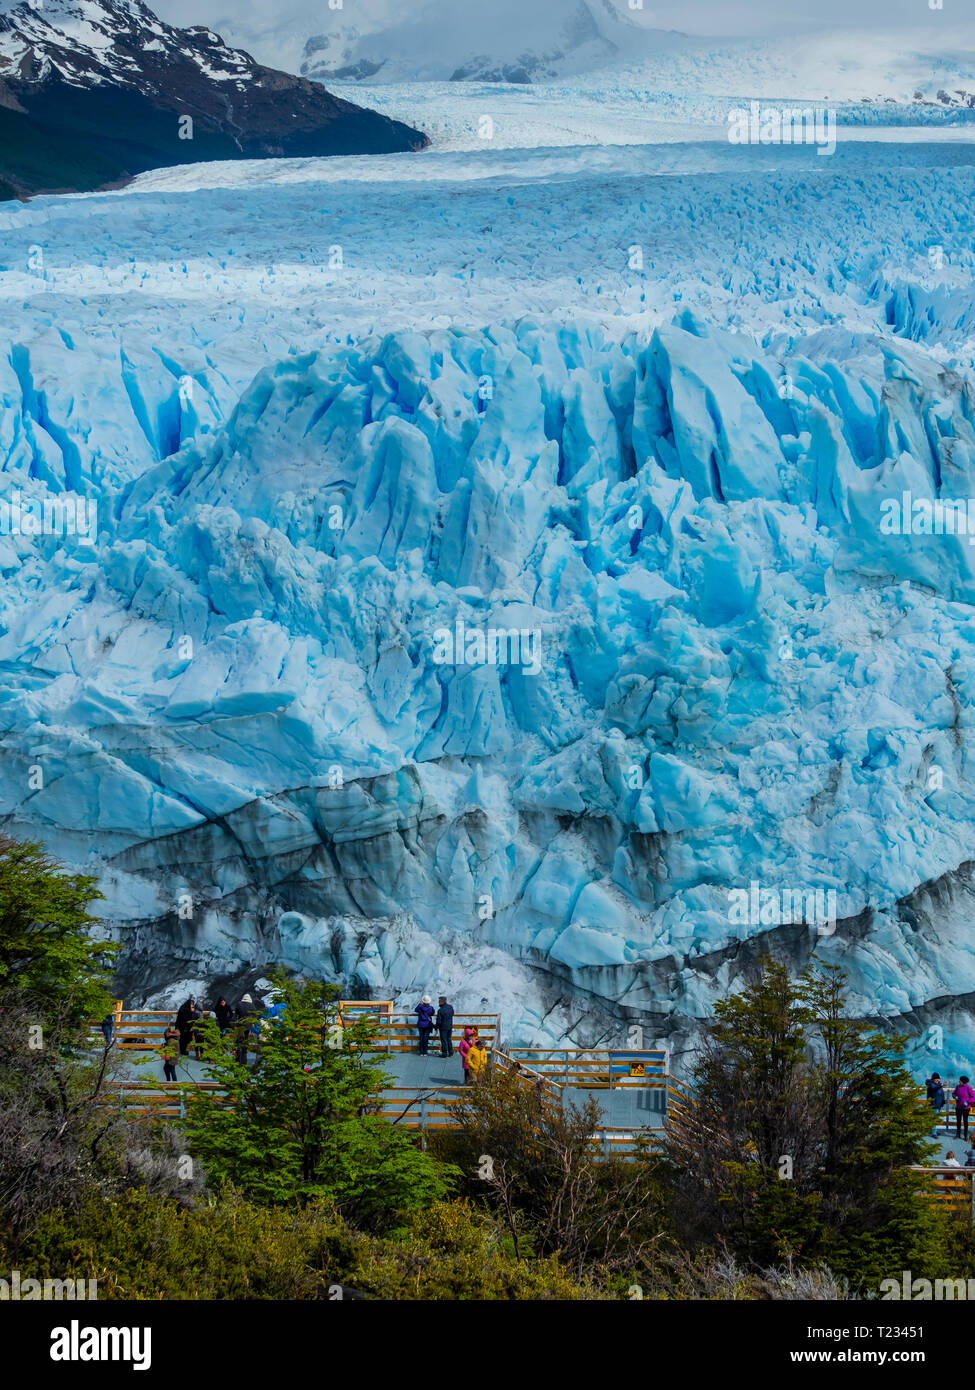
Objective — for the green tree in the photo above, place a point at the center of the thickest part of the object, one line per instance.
(871, 1126)
(797, 1135)
(745, 1123)
(46, 949)
(296, 1123)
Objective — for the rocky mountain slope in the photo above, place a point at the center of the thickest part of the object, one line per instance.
(94, 91)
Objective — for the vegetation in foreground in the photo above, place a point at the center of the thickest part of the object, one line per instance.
(784, 1176)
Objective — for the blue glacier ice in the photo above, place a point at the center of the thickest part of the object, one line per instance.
(234, 697)
(647, 507)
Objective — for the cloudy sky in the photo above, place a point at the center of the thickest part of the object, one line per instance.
(751, 17)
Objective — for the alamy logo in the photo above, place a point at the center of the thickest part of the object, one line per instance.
(494, 646)
(26, 1290)
(783, 125)
(62, 514)
(908, 515)
(756, 906)
(76, 1343)
(923, 1290)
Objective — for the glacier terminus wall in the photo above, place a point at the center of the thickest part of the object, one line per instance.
(456, 601)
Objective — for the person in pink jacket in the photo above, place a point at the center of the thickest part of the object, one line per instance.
(464, 1048)
(964, 1098)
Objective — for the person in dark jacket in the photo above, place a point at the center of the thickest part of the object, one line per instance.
(424, 1023)
(185, 1018)
(224, 1015)
(936, 1095)
(107, 1025)
(445, 1027)
(198, 1036)
(245, 1017)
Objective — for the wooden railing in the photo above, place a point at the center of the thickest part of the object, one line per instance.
(412, 1107)
(954, 1187)
(398, 1032)
(551, 1091)
(160, 1099)
(595, 1068)
(548, 1071)
(143, 1029)
(415, 1108)
(626, 1144)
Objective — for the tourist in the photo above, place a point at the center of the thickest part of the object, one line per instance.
(964, 1097)
(477, 1060)
(170, 1051)
(950, 1160)
(936, 1095)
(464, 1048)
(970, 1157)
(107, 1025)
(198, 1036)
(245, 1013)
(224, 1015)
(445, 1027)
(185, 1019)
(424, 1023)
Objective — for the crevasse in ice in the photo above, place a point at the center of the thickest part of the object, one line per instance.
(266, 708)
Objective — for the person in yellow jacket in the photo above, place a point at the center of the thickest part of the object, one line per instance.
(477, 1060)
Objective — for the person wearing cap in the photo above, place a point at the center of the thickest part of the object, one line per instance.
(424, 1023)
(936, 1096)
(245, 1011)
(964, 1097)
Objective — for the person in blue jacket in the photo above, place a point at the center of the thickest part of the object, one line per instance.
(936, 1095)
(445, 1027)
(424, 1023)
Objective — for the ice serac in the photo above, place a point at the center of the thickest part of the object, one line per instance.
(267, 689)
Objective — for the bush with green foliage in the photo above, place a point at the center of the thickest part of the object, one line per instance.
(146, 1247)
(798, 1136)
(786, 1174)
(46, 947)
(296, 1123)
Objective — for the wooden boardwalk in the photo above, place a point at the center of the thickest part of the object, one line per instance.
(632, 1088)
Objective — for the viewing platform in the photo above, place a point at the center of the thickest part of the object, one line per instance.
(631, 1087)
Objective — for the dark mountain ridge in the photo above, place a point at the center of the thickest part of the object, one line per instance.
(95, 91)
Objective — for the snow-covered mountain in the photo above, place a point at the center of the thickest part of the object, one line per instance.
(96, 90)
(442, 40)
(382, 41)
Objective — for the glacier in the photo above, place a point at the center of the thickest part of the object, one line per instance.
(232, 704)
